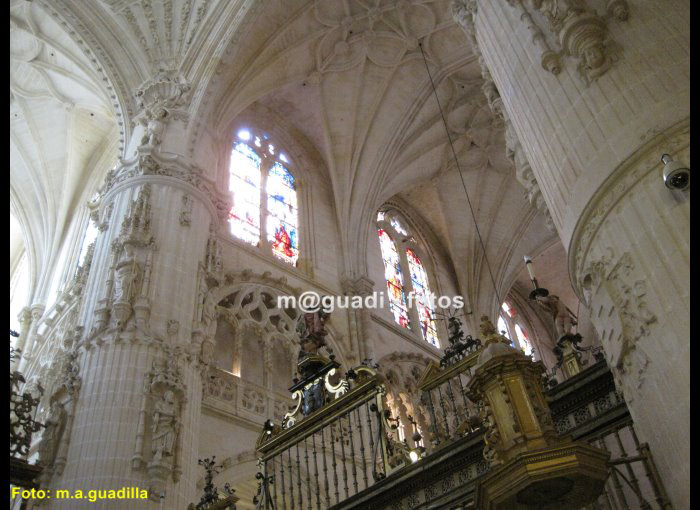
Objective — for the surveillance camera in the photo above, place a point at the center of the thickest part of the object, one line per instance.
(676, 174)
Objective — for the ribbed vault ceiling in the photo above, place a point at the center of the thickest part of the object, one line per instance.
(349, 76)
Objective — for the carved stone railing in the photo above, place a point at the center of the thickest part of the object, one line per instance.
(230, 395)
(324, 454)
(586, 407)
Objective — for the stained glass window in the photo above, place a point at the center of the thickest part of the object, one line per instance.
(264, 195)
(421, 290)
(282, 214)
(244, 185)
(502, 327)
(394, 279)
(523, 340)
(508, 309)
(398, 226)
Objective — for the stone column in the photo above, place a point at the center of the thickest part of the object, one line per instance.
(593, 128)
(360, 319)
(143, 352)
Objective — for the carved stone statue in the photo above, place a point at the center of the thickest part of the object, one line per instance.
(312, 331)
(209, 314)
(154, 127)
(126, 278)
(51, 437)
(563, 318)
(166, 424)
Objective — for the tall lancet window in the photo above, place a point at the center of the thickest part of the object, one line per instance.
(421, 290)
(394, 279)
(264, 195)
(402, 263)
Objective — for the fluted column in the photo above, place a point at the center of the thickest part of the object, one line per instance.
(144, 344)
(593, 128)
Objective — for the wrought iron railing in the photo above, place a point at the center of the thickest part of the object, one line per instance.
(322, 457)
(586, 407)
(452, 415)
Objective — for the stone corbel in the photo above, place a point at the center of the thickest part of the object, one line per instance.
(582, 33)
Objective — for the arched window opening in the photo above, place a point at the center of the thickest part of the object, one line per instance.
(394, 279)
(404, 272)
(264, 195)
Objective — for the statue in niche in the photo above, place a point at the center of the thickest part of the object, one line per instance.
(562, 316)
(126, 278)
(165, 427)
(50, 439)
(209, 314)
(312, 331)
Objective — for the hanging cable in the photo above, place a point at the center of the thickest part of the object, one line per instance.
(459, 170)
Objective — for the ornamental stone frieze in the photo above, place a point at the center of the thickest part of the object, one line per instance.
(151, 166)
(620, 310)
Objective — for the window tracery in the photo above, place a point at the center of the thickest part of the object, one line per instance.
(264, 193)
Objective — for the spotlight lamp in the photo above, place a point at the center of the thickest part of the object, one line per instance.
(676, 174)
